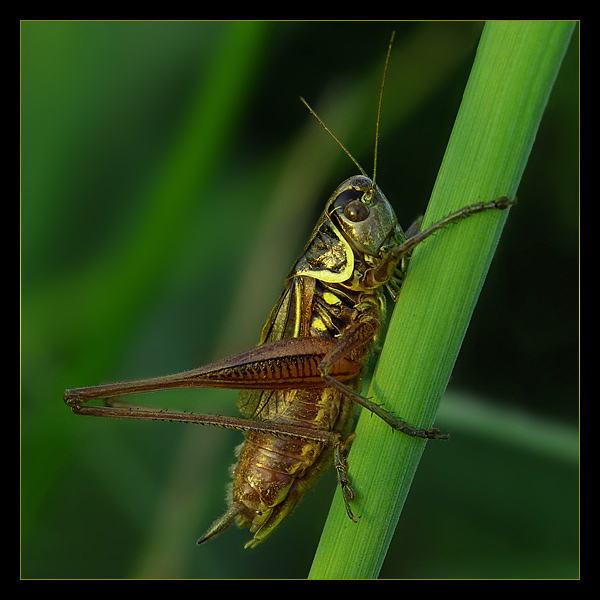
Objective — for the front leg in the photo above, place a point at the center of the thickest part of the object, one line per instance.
(415, 235)
(354, 337)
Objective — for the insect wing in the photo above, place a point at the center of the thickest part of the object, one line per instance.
(327, 257)
(265, 404)
(290, 318)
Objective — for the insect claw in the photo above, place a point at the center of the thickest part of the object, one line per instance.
(503, 202)
(349, 495)
(434, 434)
(351, 515)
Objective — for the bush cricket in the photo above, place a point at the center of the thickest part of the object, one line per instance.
(301, 384)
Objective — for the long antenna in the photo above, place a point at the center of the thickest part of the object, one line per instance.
(385, 68)
(316, 116)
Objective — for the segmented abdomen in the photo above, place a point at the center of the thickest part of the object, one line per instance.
(274, 472)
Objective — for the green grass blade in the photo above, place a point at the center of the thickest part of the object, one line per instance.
(510, 82)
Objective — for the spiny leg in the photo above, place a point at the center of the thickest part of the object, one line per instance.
(362, 330)
(419, 235)
(121, 410)
(394, 422)
(358, 335)
(341, 468)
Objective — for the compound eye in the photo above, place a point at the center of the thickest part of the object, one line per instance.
(356, 211)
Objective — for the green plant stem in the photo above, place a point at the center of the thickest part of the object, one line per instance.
(510, 82)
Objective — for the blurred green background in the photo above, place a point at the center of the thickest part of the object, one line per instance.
(170, 176)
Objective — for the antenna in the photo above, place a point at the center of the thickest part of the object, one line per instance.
(385, 68)
(316, 116)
